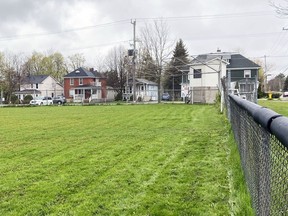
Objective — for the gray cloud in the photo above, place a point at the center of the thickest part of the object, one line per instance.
(245, 28)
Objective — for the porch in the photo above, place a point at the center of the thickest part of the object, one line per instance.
(86, 94)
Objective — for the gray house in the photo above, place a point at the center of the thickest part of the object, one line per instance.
(242, 74)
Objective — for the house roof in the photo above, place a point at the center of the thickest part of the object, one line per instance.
(234, 60)
(87, 87)
(205, 58)
(28, 91)
(33, 79)
(84, 73)
(142, 81)
(238, 61)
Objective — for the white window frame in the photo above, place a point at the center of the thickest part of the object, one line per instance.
(247, 72)
(80, 81)
(71, 81)
(71, 93)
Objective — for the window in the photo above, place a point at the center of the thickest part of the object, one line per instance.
(31, 86)
(71, 81)
(246, 87)
(71, 93)
(247, 73)
(80, 81)
(185, 78)
(197, 74)
(142, 88)
(36, 85)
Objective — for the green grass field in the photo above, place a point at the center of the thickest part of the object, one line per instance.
(280, 107)
(119, 160)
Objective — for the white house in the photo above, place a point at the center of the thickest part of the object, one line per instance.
(207, 70)
(205, 76)
(145, 90)
(39, 85)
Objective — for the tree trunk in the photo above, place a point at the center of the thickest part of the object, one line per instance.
(159, 89)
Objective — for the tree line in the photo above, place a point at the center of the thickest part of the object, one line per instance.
(15, 67)
(153, 62)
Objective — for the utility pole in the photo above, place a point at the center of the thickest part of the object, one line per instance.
(1, 97)
(265, 75)
(134, 59)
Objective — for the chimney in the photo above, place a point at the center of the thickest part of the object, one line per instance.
(91, 69)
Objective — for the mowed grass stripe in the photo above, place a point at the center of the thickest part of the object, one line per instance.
(113, 160)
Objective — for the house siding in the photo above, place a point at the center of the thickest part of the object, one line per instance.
(48, 87)
(103, 88)
(67, 86)
(209, 77)
(92, 87)
(239, 74)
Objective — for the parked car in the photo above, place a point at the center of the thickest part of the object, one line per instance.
(166, 96)
(42, 101)
(59, 100)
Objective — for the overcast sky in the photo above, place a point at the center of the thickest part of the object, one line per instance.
(92, 27)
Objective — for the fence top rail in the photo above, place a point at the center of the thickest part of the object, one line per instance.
(273, 122)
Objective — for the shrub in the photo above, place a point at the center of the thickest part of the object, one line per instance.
(14, 99)
(118, 97)
(27, 99)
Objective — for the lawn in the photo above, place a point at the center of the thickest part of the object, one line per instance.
(278, 106)
(119, 160)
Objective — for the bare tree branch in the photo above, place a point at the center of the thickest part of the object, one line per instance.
(282, 10)
(155, 42)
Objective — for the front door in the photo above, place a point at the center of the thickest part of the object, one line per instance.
(87, 93)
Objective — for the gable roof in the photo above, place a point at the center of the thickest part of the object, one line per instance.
(205, 58)
(142, 81)
(234, 60)
(145, 81)
(34, 79)
(83, 73)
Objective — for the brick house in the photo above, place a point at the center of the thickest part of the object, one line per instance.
(82, 85)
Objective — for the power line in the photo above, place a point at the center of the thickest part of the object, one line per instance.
(97, 45)
(211, 16)
(16, 37)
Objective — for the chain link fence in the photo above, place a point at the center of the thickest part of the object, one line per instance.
(262, 138)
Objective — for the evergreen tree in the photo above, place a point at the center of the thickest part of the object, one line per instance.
(113, 79)
(178, 62)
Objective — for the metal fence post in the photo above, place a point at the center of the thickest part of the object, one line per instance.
(228, 99)
(256, 89)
